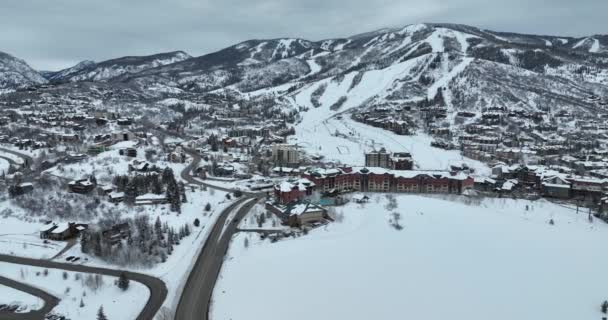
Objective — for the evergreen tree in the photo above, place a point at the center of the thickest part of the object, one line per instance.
(197, 222)
(101, 315)
(131, 192)
(208, 207)
(123, 281)
(182, 192)
(84, 243)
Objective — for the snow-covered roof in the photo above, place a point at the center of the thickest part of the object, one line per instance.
(62, 227)
(47, 227)
(151, 196)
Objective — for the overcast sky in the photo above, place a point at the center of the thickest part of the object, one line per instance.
(53, 34)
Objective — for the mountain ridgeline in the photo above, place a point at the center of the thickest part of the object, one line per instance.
(470, 67)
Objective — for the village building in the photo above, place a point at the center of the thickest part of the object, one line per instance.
(285, 154)
(294, 190)
(82, 186)
(298, 213)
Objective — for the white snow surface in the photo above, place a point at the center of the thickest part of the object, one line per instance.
(349, 149)
(117, 304)
(25, 301)
(486, 259)
(595, 47)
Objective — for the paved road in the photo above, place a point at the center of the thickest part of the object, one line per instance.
(186, 175)
(50, 301)
(157, 288)
(196, 297)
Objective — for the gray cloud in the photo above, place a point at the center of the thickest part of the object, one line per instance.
(59, 33)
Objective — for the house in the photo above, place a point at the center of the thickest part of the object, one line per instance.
(64, 231)
(484, 184)
(123, 136)
(20, 189)
(116, 197)
(139, 166)
(82, 186)
(124, 122)
(298, 213)
(46, 230)
(150, 199)
(116, 233)
(128, 152)
(74, 157)
(224, 170)
(103, 190)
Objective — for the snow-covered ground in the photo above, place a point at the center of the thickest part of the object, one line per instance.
(459, 258)
(176, 269)
(4, 166)
(354, 139)
(71, 288)
(21, 237)
(25, 301)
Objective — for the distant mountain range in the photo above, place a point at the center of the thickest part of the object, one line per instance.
(472, 68)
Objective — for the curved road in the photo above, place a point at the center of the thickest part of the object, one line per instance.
(157, 288)
(50, 301)
(196, 296)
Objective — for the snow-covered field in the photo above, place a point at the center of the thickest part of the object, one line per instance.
(461, 258)
(354, 139)
(25, 301)
(72, 287)
(21, 237)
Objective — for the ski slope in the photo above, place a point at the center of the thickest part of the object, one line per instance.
(349, 149)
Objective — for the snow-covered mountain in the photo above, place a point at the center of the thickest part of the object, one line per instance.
(472, 68)
(105, 70)
(16, 73)
(469, 68)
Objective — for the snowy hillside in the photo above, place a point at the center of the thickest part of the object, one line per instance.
(91, 71)
(16, 73)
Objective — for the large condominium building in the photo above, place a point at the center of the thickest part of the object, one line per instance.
(285, 154)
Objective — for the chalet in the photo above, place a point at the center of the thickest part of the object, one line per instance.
(139, 166)
(128, 152)
(484, 184)
(46, 230)
(124, 122)
(63, 231)
(123, 136)
(150, 199)
(21, 189)
(116, 197)
(82, 186)
(116, 233)
(224, 170)
(74, 157)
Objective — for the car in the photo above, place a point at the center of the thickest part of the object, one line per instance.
(70, 258)
(76, 259)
